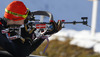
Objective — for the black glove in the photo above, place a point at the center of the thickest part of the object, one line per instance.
(56, 27)
(27, 35)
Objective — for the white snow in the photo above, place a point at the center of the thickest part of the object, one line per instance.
(97, 48)
(80, 38)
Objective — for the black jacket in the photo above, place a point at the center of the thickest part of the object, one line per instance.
(15, 48)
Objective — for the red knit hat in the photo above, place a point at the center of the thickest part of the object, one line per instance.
(15, 11)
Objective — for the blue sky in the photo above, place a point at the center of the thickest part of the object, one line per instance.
(69, 10)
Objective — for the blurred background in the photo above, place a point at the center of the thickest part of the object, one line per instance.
(73, 40)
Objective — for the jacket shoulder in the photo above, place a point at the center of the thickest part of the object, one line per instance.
(2, 22)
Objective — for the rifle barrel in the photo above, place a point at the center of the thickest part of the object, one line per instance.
(72, 22)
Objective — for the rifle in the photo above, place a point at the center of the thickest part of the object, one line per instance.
(46, 25)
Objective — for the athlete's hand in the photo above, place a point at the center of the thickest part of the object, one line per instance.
(56, 27)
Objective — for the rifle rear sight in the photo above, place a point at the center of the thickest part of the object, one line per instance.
(84, 20)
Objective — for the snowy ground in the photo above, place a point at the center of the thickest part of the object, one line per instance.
(80, 38)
